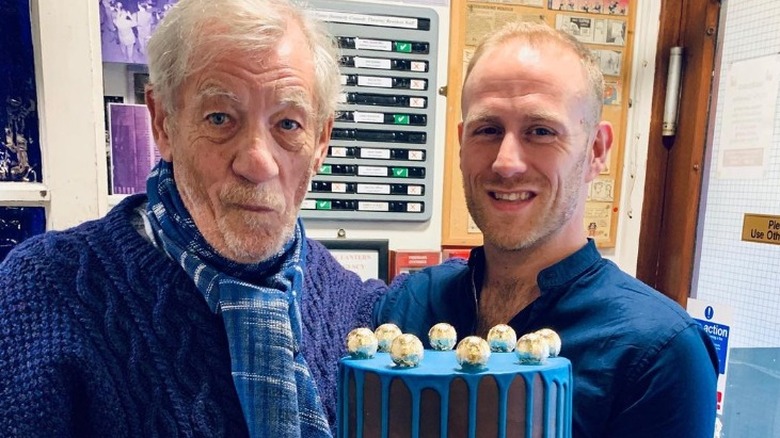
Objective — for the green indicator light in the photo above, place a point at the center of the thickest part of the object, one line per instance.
(326, 169)
(401, 119)
(400, 172)
(324, 205)
(403, 46)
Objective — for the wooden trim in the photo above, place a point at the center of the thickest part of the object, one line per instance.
(673, 184)
(620, 129)
(454, 198)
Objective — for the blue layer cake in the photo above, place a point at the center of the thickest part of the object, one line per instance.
(438, 398)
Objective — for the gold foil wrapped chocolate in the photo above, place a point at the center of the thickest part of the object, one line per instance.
(502, 338)
(472, 353)
(442, 336)
(553, 340)
(385, 334)
(532, 349)
(361, 343)
(406, 350)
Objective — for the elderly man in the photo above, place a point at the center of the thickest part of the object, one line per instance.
(199, 309)
(530, 142)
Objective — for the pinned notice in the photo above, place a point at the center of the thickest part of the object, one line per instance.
(761, 228)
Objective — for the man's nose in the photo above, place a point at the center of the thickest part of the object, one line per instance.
(255, 160)
(511, 159)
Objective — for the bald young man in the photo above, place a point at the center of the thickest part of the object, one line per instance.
(531, 140)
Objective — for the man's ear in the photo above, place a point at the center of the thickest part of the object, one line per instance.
(321, 148)
(159, 122)
(599, 153)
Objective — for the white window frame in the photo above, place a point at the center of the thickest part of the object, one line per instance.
(69, 90)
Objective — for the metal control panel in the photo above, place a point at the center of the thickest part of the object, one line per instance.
(380, 160)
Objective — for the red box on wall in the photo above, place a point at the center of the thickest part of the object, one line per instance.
(448, 253)
(402, 262)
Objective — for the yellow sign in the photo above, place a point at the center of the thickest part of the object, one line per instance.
(761, 228)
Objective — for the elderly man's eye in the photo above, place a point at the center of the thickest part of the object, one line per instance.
(218, 119)
(289, 124)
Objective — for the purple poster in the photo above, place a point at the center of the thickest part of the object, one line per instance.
(133, 152)
(126, 25)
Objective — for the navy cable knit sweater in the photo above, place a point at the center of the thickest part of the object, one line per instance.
(102, 335)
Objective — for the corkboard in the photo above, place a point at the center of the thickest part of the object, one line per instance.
(612, 35)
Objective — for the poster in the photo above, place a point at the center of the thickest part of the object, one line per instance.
(534, 3)
(484, 19)
(716, 320)
(602, 190)
(748, 108)
(611, 7)
(133, 151)
(612, 92)
(577, 26)
(616, 32)
(610, 61)
(598, 220)
(125, 28)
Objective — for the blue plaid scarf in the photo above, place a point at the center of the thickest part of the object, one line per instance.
(259, 307)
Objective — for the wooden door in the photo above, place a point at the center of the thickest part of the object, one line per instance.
(674, 164)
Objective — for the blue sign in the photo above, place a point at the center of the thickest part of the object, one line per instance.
(719, 334)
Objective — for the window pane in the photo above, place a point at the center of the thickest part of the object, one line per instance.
(18, 224)
(20, 153)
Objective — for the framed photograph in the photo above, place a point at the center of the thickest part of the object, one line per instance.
(581, 28)
(367, 258)
(612, 92)
(125, 28)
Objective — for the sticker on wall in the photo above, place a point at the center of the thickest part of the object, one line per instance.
(761, 228)
(716, 320)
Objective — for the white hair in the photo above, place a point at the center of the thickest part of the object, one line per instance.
(251, 27)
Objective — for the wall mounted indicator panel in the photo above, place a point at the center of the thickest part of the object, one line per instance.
(380, 160)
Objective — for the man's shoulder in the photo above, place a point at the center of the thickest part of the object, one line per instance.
(621, 299)
(59, 253)
(616, 324)
(325, 275)
(438, 293)
(317, 250)
(40, 273)
(616, 284)
(335, 299)
(320, 261)
(647, 297)
(52, 245)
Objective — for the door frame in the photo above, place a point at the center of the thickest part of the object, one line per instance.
(673, 185)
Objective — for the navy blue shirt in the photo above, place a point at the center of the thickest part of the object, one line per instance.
(642, 367)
